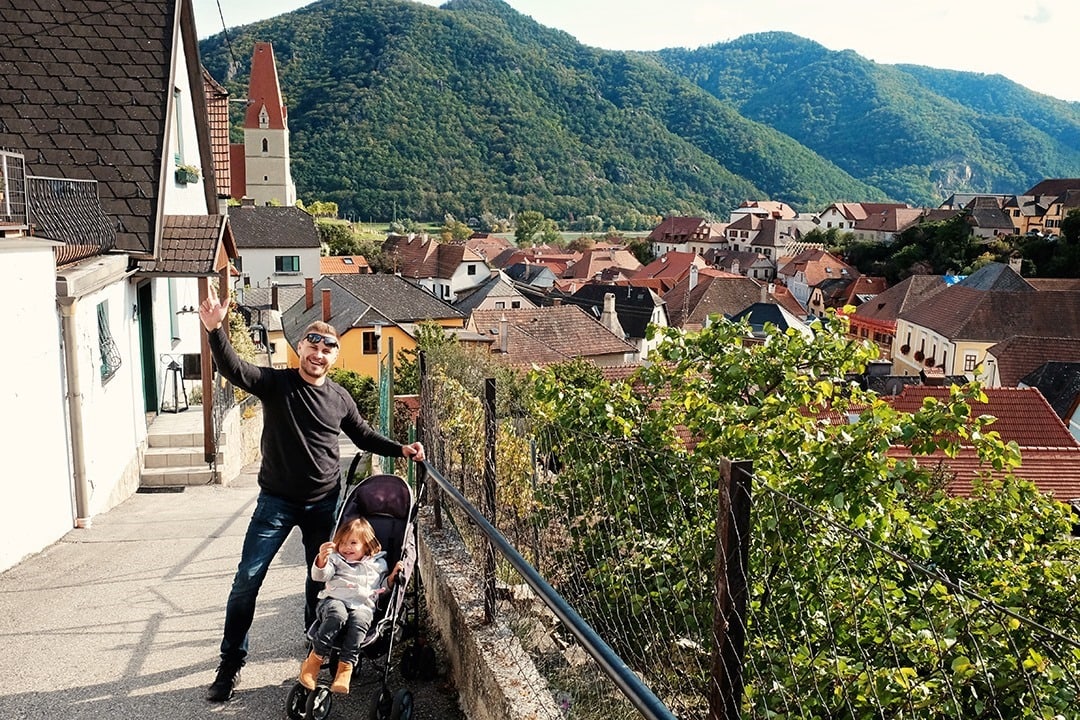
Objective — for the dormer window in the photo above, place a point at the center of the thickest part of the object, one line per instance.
(264, 119)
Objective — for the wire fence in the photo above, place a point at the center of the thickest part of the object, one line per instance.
(731, 597)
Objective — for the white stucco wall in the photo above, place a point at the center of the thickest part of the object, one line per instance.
(114, 428)
(259, 266)
(36, 487)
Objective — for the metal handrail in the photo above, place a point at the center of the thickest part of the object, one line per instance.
(640, 696)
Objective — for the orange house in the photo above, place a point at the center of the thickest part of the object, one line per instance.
(374, 314)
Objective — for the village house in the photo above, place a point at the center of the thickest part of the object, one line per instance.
(277, 245)
(685, 234)
(955, 329)
(111, 234)
(374, 314)
(875, 319)
(547, 335)
(707, 295)
(443, 269)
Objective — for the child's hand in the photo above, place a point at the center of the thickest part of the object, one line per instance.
(324, 552)
(393, 575)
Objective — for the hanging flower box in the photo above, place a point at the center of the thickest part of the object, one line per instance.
(187, 174)
(919, 355)
(905, 349)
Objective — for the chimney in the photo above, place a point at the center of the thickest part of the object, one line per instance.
(326, 305)
(609, 318)
(247, 201)
(309, 293)
(693, 276)
(765, 292)
(274, 297)
(504, 335)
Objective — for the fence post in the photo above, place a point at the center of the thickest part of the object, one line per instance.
(730, 568)
(489, 498)
(427, 435)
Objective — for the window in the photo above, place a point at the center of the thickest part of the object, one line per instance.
(265, 146)
(516, 304)
(178, 157)
(471, 270)
(287, 264)
(238, 263)
(110, 355)
(500, 305)
(371, 343)
(969, 362)
(346, 261)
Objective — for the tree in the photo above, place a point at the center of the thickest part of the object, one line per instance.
(362, 389)
(526, 227)
(772, 402)
(453, 230)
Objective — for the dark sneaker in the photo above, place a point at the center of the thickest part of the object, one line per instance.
(228, 677)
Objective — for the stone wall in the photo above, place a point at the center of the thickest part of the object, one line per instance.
(495, 677)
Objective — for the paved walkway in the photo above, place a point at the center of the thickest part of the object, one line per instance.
(123, 620)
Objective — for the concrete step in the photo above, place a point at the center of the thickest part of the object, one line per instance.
(164, 457)
(190, 475)
(179, 438)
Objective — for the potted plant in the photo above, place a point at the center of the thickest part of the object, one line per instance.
(186, 174)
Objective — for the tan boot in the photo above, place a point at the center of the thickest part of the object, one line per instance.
(341, 680)
(309, 670)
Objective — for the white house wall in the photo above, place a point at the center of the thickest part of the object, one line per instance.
(259, 267)
(114, 427)
(461, 279)
(38, 508)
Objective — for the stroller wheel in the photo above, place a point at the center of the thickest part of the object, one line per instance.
(382, 702)
(296, 703)
(319, 702)
(403, 705)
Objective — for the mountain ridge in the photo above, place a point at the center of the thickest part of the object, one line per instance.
(401, 109)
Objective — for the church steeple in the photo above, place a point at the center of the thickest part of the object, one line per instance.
(268, 176)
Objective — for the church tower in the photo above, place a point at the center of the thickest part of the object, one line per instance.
(266, 168)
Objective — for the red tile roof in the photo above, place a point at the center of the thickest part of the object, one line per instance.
(1021, 354)
(1023, 415)
(817, 265)
(343, 265)
(1055, 471)
(596, 260)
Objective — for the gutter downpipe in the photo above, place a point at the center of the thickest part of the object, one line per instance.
(75, 412)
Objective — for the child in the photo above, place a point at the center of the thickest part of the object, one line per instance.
(353, 568)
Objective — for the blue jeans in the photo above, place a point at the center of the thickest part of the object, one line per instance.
(271, 523)
(333, 616)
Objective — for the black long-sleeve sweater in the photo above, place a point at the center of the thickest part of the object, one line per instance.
(301, 459)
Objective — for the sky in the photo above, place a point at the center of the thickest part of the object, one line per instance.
(1032, 42)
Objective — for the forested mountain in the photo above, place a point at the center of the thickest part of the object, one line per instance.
(918, 133)
(398, 109)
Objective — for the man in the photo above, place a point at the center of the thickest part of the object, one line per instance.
(304, 413)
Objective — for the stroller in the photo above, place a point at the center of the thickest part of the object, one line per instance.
(387, 502)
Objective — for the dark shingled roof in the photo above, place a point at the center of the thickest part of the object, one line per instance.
(86, 94)
(192, 245)
(633, 305)
(1059, 382)
(909, 292)
(363, 300)
(996, 276)
(690, 308)
(268, 226)
(962, 313)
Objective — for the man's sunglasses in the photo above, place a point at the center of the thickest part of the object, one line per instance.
(316, 338)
